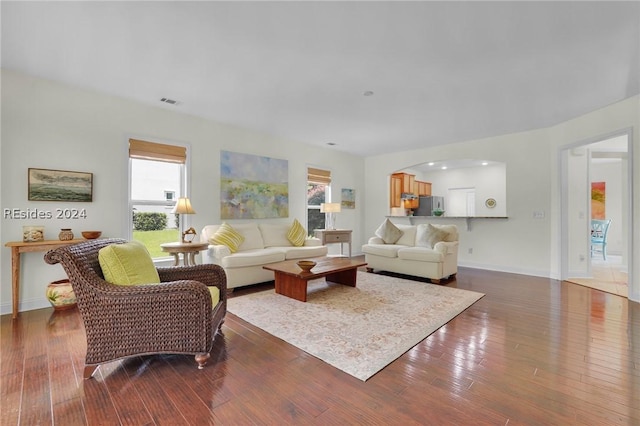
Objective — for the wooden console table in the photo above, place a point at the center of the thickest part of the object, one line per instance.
(330, 236)
(19, 247)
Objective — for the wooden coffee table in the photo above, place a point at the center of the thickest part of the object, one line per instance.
(291, 281)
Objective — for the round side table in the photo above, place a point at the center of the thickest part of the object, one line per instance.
(188, 250)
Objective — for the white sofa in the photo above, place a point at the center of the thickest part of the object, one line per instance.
(413, 255)
(263, 243)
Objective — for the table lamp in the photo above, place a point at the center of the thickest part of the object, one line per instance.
(183, 206)
(330, 209)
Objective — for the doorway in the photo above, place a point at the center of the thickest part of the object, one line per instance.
(597, 186)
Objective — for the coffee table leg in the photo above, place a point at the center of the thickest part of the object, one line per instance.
(292, 287)
(345, 277)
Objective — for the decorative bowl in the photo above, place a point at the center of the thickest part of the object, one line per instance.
(306, 265)
(91, 235)
(438, 212)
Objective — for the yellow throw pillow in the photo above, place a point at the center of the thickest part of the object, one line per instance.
(215, 295)
(127, 264)
(297, 234)
(226, 235)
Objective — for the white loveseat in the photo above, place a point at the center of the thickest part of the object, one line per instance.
(414, 254)
(263, 243)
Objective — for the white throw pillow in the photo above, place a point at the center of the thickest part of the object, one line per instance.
(428, 235)
(388, 232)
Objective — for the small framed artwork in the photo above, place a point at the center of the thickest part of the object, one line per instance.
(59, 185)
(348, 198)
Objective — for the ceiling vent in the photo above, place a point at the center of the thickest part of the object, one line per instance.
(169, 101)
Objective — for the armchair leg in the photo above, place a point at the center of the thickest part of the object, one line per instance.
(202, 359)
(88, 371)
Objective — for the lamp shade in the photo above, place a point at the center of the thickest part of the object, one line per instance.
(183, 206)
(330, 208)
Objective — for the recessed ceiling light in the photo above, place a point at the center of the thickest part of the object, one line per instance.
(444, 167)
(368, 93)
(431, 164)
(484, 163)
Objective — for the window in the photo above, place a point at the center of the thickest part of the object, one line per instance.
(157, 179)
(318, 192)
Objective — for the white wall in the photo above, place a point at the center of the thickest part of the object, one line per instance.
(517, 244)
(596, 126)
(522, 243)
(488, 181)
(49, 125)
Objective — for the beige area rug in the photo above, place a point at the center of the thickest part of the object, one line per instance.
(357, 330)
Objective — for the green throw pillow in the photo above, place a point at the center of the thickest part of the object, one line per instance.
(226, 235)
(296, 234)
(128, 264)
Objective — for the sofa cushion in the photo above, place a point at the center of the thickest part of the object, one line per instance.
(255, 257)
(275, 234)
(127, 264)
(296, 234)
(451, 230)
(303, 252)
(428, 235)
(384, 250)
(388, 232)
(421, 254)
(408, 237)
(226, 235)
(252, 236)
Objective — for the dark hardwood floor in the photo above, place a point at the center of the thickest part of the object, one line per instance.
(533, 351)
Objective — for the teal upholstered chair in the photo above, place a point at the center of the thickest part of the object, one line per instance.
(599, 231)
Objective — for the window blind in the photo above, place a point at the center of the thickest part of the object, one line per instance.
(157, 151)
(318, 176)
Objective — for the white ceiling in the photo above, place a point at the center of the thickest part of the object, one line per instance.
(440, 72)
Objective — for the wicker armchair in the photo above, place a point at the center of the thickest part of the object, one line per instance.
(174, 316)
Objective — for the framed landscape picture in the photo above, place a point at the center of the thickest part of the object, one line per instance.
(59, 185)
(348, 198)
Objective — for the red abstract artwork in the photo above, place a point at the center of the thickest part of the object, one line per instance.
(598, 197)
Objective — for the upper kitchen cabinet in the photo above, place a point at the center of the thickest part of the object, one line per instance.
(402, 183)
(422, 188)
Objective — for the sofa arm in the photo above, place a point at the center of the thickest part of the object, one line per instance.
(312, 242)
(445, 247)
(216, 252)
(376, 240)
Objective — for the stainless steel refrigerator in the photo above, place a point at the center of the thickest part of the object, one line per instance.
(426, 205)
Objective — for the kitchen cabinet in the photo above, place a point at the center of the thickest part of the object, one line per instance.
(422, 188)
(406, 183)
(396, 190)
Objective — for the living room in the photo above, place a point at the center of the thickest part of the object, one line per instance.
(89, 131)
(56, 125)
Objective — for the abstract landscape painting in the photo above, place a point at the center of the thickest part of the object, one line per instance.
(253, 187)
(60, 185)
